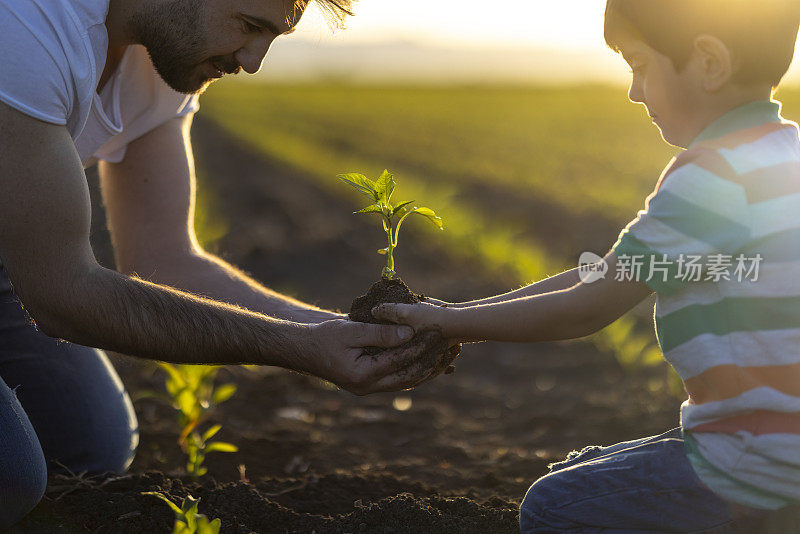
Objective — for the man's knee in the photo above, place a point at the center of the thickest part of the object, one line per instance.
(104, 448)
(95, 431)
(114, 436)
(22, 486)
(115, 451)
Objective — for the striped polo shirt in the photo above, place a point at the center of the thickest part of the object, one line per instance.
(719, 243)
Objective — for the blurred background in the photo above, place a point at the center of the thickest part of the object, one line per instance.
(467, 41)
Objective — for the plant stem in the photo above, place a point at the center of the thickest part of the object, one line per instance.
(390, 250)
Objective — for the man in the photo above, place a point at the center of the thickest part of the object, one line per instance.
(116, 81)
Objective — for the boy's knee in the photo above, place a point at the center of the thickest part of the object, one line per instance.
(539, 508)
(533, 506)
(575, 457)
(528, 511)
(22, 487)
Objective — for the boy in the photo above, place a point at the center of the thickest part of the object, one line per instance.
(705, 70)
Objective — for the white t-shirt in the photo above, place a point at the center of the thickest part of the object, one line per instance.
(53, 54)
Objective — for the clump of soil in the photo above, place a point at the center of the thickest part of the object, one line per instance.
(437, 354)
(385, 290)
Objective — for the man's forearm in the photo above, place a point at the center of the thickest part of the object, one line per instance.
(208, 275)
(558, 282)
(108, 310)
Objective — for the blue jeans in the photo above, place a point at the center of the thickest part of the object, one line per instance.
(641, 486)
(62, 408)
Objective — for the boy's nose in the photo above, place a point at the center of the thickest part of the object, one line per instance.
(635, 94)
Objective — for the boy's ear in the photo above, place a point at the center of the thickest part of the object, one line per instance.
(715, 62)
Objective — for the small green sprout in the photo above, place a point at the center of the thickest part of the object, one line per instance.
(192, 393)
(187, 519)
(380, 193)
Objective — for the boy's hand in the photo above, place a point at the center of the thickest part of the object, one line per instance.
(422, 316)
(437, 302)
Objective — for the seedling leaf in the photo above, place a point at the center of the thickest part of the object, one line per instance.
(400, 206)
(221, 446)
(173, 373)
(392, 217)
(385, 186)
(208, 434)
(223, 393)
(189, 506)
(165, 499)
(363, 184)
(375, 208)
(206, 527)
(430, 215)
(193, 394)
(187, 403)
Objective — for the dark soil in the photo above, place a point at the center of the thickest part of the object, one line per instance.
(455, 455)
(322, 504)
(436, 355)
(382, 291)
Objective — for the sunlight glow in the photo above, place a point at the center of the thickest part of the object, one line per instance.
(573, 24)
(464, 40)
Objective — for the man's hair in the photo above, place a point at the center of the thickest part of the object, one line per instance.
(761, 34)
(335, 10)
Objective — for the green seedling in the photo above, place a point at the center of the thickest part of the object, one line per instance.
(191, 391)
(380, 193)
(187, 519)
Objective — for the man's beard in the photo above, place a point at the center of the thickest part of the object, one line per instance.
(171, 33)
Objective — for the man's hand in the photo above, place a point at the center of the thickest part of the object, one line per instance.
(340, 359)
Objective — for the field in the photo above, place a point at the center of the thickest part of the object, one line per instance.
(526, 179)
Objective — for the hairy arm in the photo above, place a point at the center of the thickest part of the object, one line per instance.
(575, 312)
(44, 246)
(150, 202)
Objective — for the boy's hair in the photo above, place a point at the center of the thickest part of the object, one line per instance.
(761, 34)
(335, 10)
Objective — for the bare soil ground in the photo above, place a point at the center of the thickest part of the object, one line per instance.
(455, 455)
